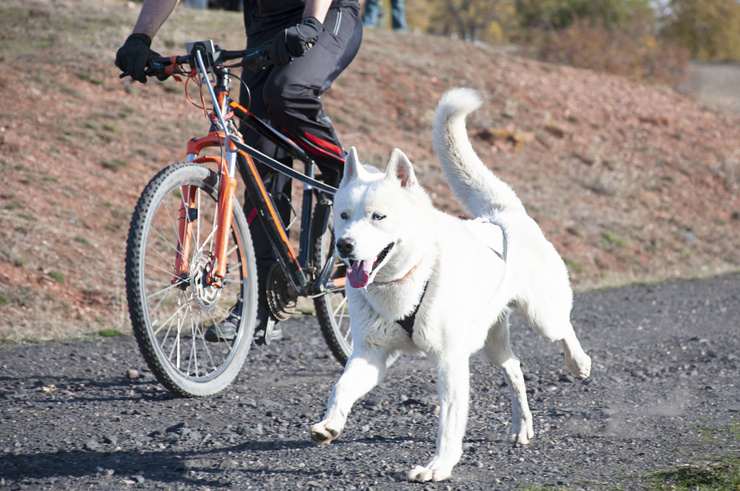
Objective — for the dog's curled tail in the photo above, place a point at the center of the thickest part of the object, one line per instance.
(482, 193)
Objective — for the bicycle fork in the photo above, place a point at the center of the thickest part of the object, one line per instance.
(189, 212)
(225, 216)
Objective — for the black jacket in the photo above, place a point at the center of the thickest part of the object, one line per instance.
(266, 16)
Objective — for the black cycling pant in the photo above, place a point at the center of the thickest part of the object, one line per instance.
(289, 96)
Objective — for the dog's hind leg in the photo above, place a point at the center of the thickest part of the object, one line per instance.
(365, 369)
(576, 360)
(549, 313)
(453, 383)
(498, 350)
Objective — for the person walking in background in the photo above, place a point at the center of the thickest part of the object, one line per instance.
(374, 13)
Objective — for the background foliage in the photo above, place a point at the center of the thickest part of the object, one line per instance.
(647, 39)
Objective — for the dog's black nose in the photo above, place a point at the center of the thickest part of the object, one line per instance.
(345, 246)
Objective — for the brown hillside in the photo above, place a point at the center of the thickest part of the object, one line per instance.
(631, 182)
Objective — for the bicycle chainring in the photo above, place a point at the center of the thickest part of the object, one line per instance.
(280, 294)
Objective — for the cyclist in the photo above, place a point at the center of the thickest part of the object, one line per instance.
(310, 43)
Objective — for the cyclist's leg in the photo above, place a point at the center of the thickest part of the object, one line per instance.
(264, 254)
(292, 93)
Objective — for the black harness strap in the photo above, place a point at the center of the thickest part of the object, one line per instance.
(407, 323)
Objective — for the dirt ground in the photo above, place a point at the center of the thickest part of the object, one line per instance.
(660, 410)
(631, 182)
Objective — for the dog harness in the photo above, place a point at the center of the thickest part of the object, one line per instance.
(407, 323)
(497, 243)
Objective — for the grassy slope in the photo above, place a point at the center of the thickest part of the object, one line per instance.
(630, 182)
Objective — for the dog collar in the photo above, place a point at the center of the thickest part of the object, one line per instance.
(407, 323)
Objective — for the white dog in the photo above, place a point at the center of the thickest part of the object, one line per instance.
(422, 280)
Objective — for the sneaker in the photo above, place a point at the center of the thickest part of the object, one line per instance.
(226, 329)
(264, 333)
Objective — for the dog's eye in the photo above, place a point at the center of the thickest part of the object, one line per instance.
(378, 216)
(344, 215)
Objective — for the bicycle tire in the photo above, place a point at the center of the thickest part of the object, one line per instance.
(339, 344)
(164, 182)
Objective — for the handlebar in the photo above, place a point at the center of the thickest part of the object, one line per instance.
(252, 59)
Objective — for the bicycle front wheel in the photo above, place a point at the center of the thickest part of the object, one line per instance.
(171, 299)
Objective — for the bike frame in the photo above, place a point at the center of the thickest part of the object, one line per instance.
(235, 157)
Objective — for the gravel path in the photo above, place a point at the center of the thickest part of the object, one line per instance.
(664, 392)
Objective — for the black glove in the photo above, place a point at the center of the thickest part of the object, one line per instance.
(134, 57)
(295, 41)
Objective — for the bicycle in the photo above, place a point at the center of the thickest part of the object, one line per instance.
(189, 254)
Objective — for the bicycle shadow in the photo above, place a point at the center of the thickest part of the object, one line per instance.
(73, 389)
(190, 467)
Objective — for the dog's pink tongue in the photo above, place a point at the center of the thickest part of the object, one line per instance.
(359, 274)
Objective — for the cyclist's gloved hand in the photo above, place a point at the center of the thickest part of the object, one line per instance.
(134, 56)
(295, 41)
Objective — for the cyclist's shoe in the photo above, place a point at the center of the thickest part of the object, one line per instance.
(267, 331)
(225, 330)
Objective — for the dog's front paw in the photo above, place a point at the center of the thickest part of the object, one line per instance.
(522, 430)
(323, 433)
(424, 474)
(580, 366)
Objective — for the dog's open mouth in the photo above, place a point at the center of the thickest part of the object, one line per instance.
(360, 271)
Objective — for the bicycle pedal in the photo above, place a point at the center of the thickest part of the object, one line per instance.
(269, 332)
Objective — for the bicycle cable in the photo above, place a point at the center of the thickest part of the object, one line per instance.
(243, 84)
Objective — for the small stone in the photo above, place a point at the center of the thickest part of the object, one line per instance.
(92, 444)
(138, 478)
(178, 428)
(133, 374)
(565, 378)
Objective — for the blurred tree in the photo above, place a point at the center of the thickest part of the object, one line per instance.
(472, 20)
(561, 14)
(710, 29)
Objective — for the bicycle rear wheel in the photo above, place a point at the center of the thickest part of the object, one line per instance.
(169, 312)
(331, 308)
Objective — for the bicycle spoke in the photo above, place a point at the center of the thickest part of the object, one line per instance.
(167, 288)
(170, 318)
(344, 301)
(168, 272)
(164, 339)
(194, 348)
(207, 349)
(161, 301)
(166, 241)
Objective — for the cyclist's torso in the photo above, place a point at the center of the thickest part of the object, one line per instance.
(265, 17)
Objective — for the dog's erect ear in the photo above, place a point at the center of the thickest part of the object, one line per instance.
(352, 166)
(400, 169)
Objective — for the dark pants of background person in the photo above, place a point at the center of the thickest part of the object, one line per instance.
(289, 96)
(374, 14)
